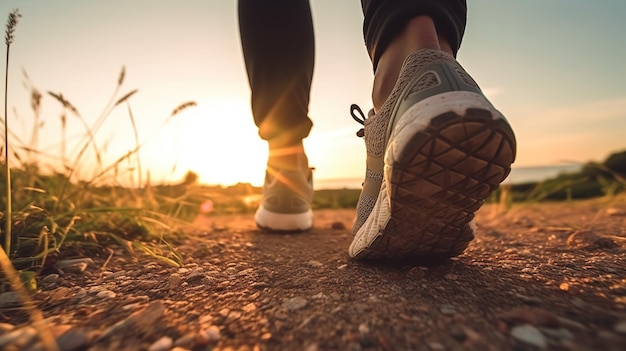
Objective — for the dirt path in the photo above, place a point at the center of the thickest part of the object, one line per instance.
(525, 283)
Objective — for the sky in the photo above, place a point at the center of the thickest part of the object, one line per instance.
(554, 68)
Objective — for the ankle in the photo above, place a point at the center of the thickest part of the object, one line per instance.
(288, 158)
(419, 33)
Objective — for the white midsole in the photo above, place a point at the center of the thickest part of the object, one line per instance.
(417, 118)
(283, 221)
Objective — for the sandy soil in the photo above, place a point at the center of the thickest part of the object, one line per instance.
(537, 277)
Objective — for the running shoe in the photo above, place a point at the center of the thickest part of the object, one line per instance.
(286, 202)
(436, 149)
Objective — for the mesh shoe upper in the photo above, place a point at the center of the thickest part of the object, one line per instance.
(420, 72)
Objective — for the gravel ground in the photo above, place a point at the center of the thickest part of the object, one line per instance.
(537, 277)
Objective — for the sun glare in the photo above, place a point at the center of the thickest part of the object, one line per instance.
(218, 140)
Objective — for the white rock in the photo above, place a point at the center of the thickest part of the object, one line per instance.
(295, 303)
(50, 278)
(105, 294)
(163, 344)
(530, 335)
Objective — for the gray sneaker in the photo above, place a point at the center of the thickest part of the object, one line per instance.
(286, 202)
(436, 150)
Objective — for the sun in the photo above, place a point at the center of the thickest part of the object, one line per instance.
(217, 140)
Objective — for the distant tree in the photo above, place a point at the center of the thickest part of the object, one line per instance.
(616, 162)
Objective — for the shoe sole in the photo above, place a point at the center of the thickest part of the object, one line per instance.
(448, 154)
(282, 222)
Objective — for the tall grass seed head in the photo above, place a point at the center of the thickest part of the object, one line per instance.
(11, 24)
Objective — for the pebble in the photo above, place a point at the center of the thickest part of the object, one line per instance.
(105, 294)
(81, 293)
(249, 307)
(174, 281)
(620, 327)
(140, 321)
(210, 335)
(447, 309)
(163, 344)
(437, 346)
(196, 276)
(559, 334)
(232, 316)
(315, 264)
(6, 327)
(614, 211)
(295, 303)
(73, 339)
(95, 289)
(185, 341)
(530, 335)
(363, 328)
(18, 337)
(147, 284)
(9, 298)
(451, 276)
(50, 278)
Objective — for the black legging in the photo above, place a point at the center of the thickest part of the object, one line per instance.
(279, 51)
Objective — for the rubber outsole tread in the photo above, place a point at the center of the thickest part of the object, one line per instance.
(444, 175)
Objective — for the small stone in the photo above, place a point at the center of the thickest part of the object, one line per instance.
(9, 298)
(451, 276)
(174, 281)
(80, 293)
(185, 341)
(315, 264)
(447, 309)
(196, 276)
(140, 321)
(620, 327)
(295, 303)
(558, 334)
(436, 346)
(363, 328)
(530, 335)
(18, 337)
(105, 294)
(614, 211)
(146, 284)
(77, 268)
(95, 289)
(163, 344)
(342, 267)
(50, 278)
(266, 336)
(211, 335)
(6, 327)
(73, 339)
(337, 226)
(249, 307)
(232, 316)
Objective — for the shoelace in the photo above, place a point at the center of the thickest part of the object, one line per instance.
(361, 120)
